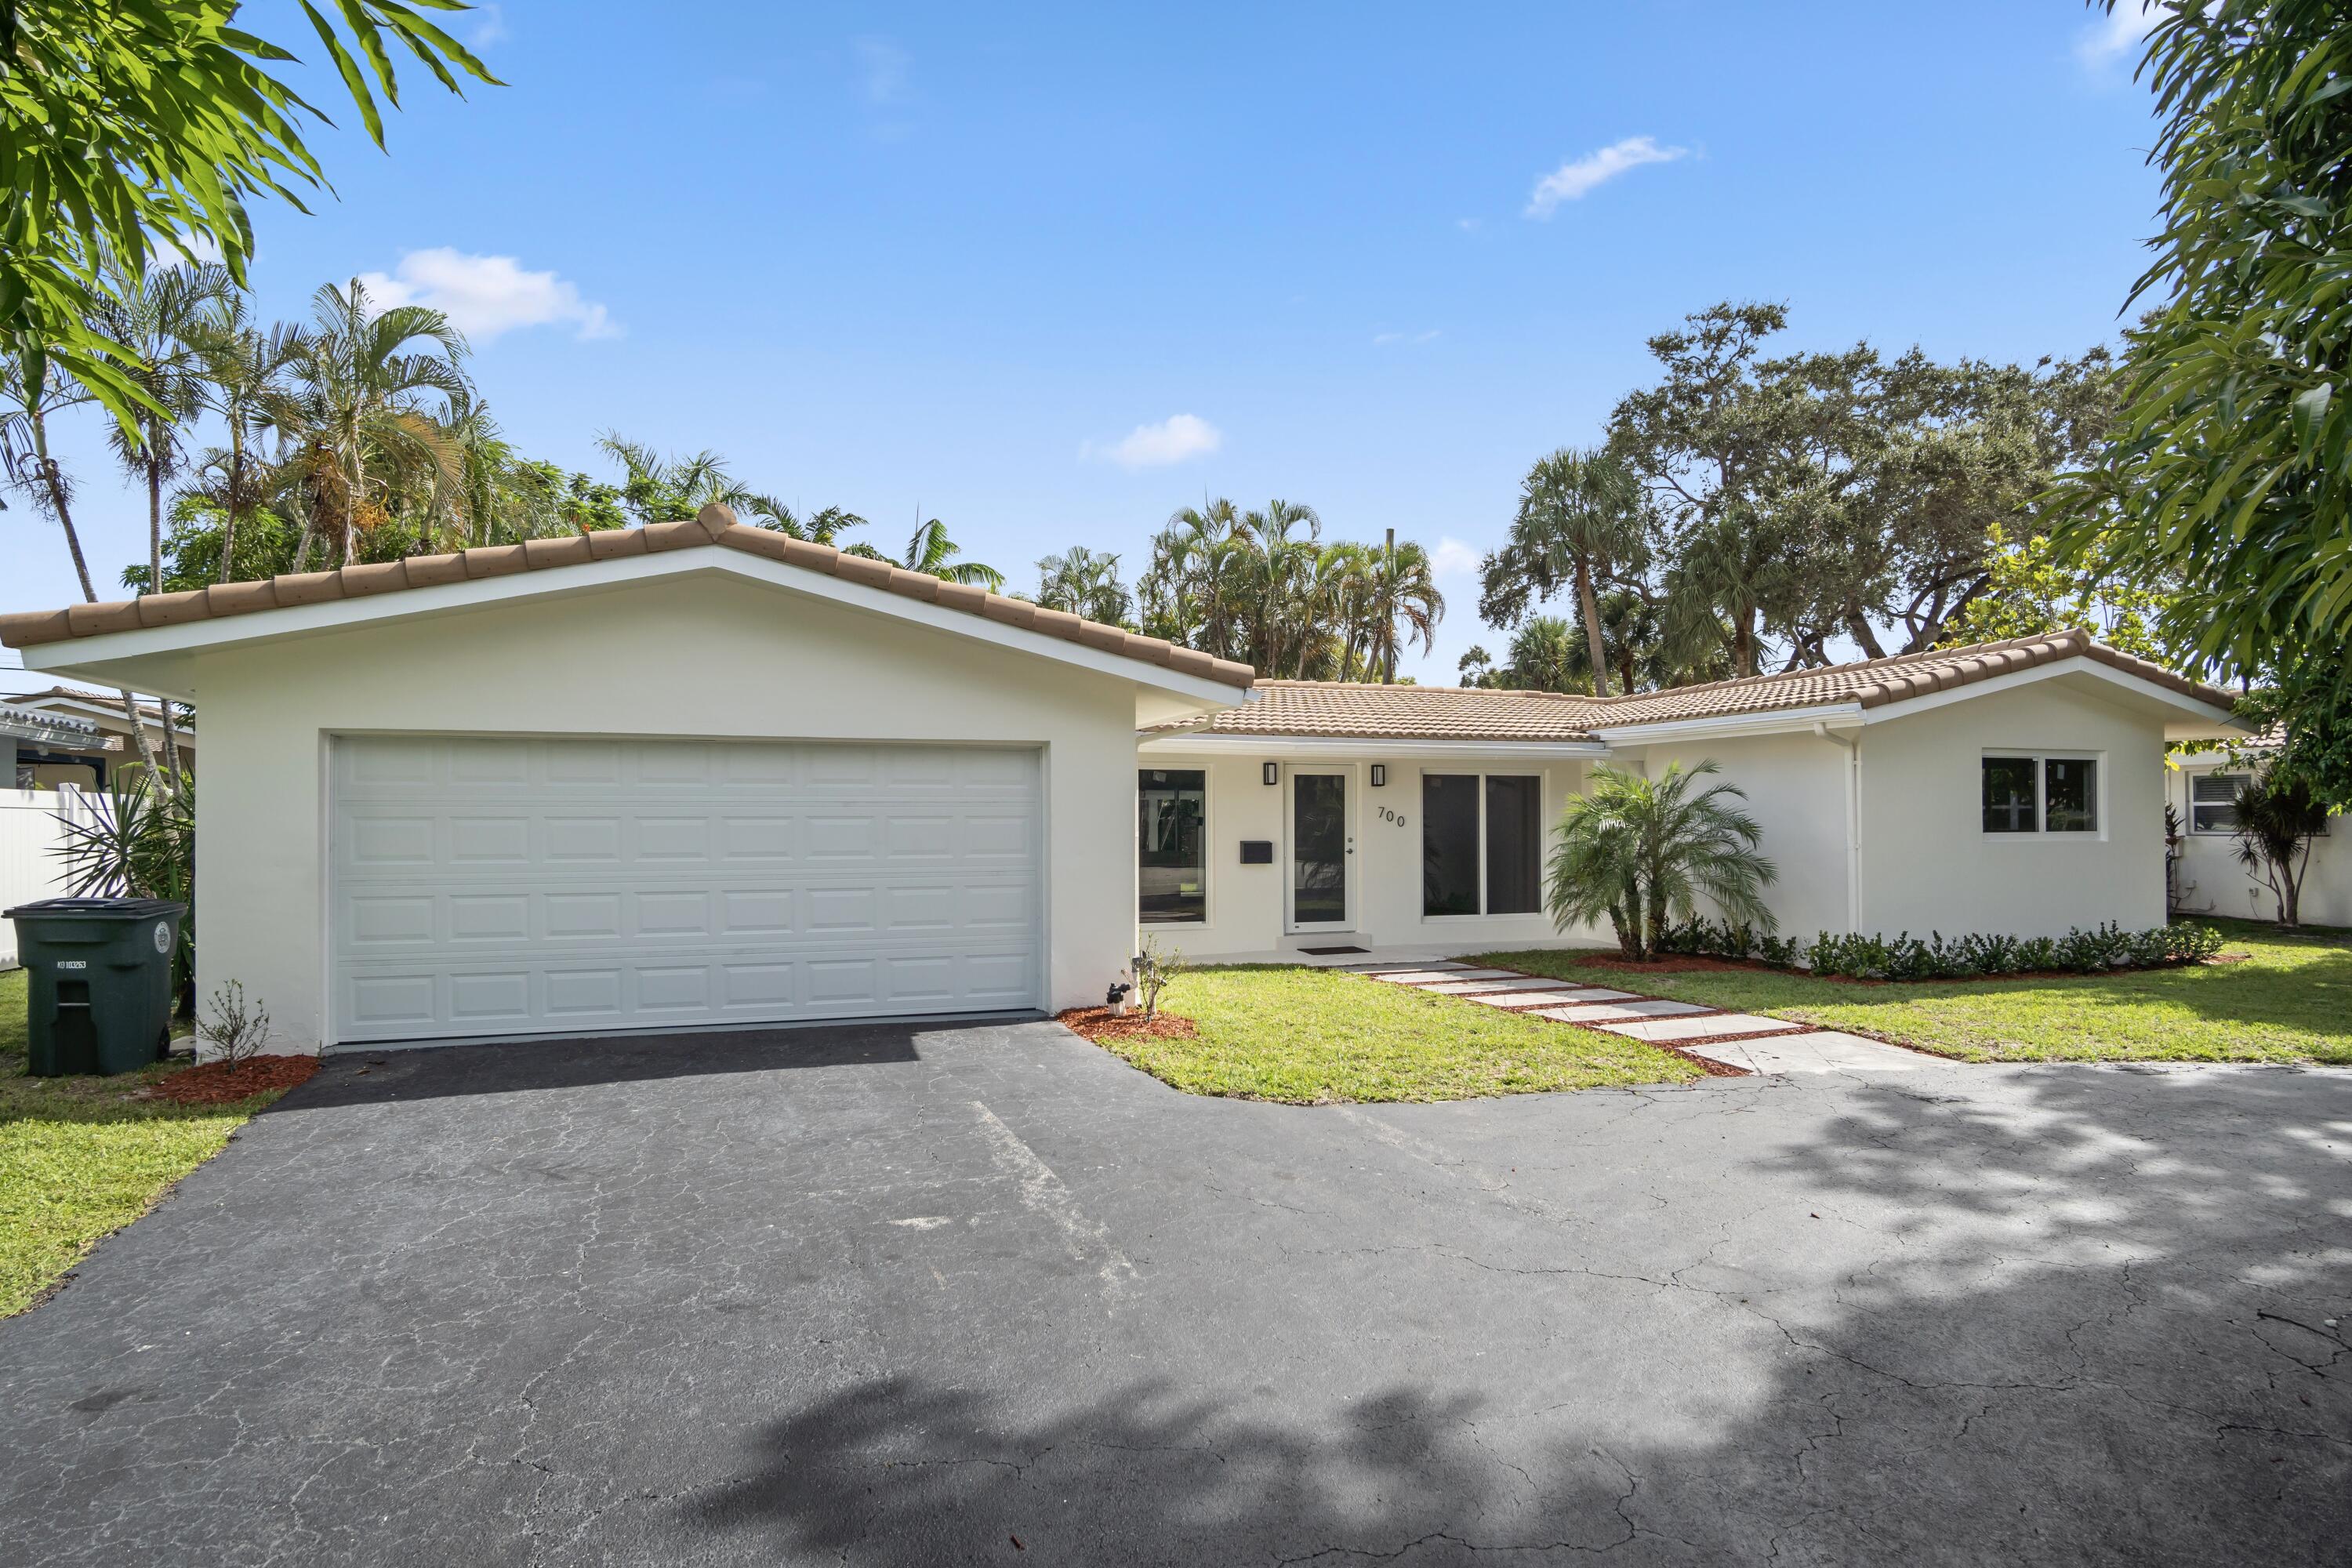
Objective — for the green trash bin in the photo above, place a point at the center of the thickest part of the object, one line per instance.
(99, 993)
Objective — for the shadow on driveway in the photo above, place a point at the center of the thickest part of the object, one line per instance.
(361, 1075)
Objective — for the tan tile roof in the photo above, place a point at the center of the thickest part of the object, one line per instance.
(715, 526)
(1405, 712)
(1871, 683)
(1462, 713)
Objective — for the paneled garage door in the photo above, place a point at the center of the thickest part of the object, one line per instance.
(491, 887)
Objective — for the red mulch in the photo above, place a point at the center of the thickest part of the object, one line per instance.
(1673, 963)
(218, 1083)
(1681, 963)
(1707, 1065)
(1098, 1024)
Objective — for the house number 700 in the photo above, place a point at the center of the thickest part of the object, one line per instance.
(1388, 815)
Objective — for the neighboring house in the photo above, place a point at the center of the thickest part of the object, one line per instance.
(2208, 879)
(92, 767)
(50, 749)
(699, 774)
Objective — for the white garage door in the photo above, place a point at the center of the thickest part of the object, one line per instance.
(488, 887)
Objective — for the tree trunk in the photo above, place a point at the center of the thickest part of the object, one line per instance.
(1589, 607)
(156, 585)
(310, 528)
(55, 481)
(1858, 626)
(236, 488)
(352, 511)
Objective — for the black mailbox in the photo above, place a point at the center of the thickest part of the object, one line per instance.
(1258, 851)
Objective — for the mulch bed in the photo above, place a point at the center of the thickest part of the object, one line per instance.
(1098, 1023)
(219, 1083)
(1682, 963)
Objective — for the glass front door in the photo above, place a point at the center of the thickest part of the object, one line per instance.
(1322, 848)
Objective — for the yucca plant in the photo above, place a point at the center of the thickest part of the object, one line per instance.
(140, 842)
(1642, 852)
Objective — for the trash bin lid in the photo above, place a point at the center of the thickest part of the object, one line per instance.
(97, 908)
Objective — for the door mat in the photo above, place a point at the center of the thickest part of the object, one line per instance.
(1331, 952)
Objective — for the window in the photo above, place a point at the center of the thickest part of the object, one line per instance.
(1171, 848)
(2213, 801)
(1481, 844)
(1513, 840)
(2009, 794)
(1449, 844)
(2041, 794)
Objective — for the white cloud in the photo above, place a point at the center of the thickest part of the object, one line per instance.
(1384, 338)
(1175, 440)
(1452, 558)
(490, 26)
(2118, 32)
(1466, 225)
(881, 69)
(484, 296)
(1572, 179)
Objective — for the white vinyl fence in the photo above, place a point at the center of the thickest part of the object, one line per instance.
(31, 838)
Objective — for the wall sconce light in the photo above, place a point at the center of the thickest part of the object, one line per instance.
(1380, 776)
(1271, 772)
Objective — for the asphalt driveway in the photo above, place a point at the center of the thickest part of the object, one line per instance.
(986, 1294)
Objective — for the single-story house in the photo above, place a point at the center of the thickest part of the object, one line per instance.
(97, 742)
(47, 749)
(701, 775)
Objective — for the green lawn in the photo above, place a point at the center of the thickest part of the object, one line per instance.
(2289, 1000)
(1316, 1037)
(83, 1156)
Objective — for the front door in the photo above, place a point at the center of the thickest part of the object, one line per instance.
(1322, 851)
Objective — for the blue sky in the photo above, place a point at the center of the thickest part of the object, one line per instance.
(1050, 273)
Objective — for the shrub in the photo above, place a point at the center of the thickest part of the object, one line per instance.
(1932, 957)
(236, 1030)
(1155, 970)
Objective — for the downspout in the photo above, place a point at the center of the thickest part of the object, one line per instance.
(1852, 746)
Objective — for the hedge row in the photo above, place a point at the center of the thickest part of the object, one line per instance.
(1908, 957)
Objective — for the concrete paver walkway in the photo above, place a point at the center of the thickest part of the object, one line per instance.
(1749, 1041)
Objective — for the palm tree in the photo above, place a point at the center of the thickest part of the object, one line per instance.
(1083, 583)
(1545, 657)
(818, 527)
(674, 489)
(160, 317)
(1580, 525)
(366, 406)
(1643, 852)
(1263, 587)
(2277, 819)
(244, 382)
(32, 469)
(1404, 599)
(933, 553)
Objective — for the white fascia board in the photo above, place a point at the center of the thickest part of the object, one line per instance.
(1730, 726)
(2200, 719)
(86, 658)
(1277, 747)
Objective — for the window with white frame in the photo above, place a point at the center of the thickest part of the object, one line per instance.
(2030, 793)
(1481, 844)
(2213, 801)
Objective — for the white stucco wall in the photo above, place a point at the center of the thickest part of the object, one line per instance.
(2211, 882)
(1928, 865)
(1795, 786)
(1246, 903)
(701, 656)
